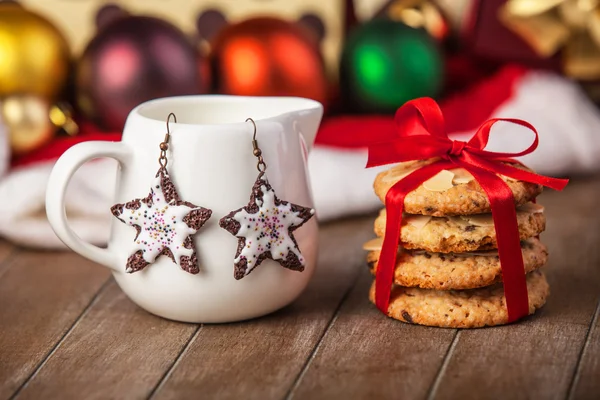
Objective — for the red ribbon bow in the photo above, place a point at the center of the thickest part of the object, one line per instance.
(421, 135)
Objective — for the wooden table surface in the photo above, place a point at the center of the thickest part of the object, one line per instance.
(68, 332)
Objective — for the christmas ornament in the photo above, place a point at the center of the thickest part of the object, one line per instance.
(109, 13)
(386, 63)
(265, 226)
(418, 14)
(164, 223)
(132, 60)
(32, 121)
(572, 26)
(267, 57)
(34, 56)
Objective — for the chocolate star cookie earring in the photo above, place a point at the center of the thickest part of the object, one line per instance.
(265, 226)
(164, 223)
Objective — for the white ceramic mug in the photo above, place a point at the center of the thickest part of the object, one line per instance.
(212, 165)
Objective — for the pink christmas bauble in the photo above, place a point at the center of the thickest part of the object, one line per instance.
(131, 60)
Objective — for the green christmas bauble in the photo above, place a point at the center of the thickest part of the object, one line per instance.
(386, 63)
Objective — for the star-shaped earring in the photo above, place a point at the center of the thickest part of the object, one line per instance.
(264, 229)
(163, 222)
(164, 226)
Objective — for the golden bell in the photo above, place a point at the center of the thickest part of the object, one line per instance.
(32, 121)
(34, 56)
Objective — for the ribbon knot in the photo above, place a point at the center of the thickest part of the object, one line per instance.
(457, 147)
(422, 135)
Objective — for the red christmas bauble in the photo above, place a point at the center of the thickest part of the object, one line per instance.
(132, 60)
(268, 57)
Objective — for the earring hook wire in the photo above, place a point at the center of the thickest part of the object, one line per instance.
(164, 146)
(261, 165)
(168, 120)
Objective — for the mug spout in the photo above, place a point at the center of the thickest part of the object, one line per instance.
(308, 121)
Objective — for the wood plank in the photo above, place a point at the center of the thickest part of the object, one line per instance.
(260, 359)
(586, 384)
(42, 295)
(368, 356)
(8, 253)
(117, 350)
(537, 358)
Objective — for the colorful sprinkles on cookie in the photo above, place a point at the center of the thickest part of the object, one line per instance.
(264, 228)
(164, 226)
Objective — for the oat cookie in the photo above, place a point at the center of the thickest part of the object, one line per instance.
(459, 234)
(452, 192)
(473, 308)
(415, 268)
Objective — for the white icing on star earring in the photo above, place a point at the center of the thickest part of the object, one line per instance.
(265, 226)
(164, 223)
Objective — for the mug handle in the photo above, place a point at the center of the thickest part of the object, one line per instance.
(60, 176)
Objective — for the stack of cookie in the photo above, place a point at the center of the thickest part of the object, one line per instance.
(448, 270)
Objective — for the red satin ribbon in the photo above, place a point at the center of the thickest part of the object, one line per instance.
(421, 135)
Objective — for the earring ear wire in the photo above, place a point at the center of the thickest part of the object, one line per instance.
(164, 145)
(261, 165)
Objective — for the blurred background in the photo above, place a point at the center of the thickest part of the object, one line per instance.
(70, 71)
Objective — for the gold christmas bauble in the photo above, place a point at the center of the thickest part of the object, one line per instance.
(34, 56)
(28, 121)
